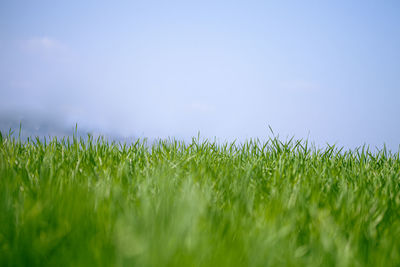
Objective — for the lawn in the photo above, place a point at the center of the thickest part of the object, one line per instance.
(90, 202)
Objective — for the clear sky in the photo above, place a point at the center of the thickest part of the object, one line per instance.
(329, 70)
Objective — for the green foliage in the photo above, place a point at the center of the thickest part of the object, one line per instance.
(93, 203)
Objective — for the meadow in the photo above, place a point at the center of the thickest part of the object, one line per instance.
(91, 202)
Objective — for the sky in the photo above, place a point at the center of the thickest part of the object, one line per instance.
(328, 71)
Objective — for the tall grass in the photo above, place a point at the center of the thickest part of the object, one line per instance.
(69, 202)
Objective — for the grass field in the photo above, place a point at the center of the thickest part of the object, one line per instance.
(94, 203)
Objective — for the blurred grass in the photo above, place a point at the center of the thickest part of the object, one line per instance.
(94, 203)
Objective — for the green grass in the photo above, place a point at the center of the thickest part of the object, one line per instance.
(94, 203)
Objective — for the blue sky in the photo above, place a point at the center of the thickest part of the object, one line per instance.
(327, 70)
